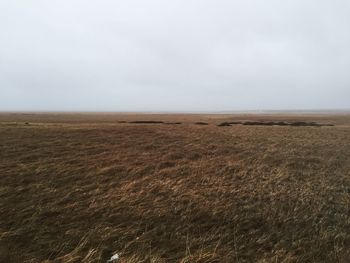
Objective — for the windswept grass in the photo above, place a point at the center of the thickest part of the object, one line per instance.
(174, 193)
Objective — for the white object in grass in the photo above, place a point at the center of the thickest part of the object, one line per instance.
(114, 258)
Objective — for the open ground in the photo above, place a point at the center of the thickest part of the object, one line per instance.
(176, 188)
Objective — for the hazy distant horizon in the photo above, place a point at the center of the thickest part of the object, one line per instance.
(179, 56)
(310, 111)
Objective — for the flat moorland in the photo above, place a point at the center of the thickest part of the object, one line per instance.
(174, 188)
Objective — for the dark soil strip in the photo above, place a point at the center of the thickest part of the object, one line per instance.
(274, 123)
(201, 123)
(146, 122)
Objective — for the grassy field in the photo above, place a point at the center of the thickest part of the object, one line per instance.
(82, 187)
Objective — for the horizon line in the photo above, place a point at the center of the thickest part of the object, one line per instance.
(262, 111)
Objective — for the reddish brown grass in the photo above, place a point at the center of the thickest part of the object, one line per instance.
(80, 192)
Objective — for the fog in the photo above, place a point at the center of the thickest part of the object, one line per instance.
(83, 55)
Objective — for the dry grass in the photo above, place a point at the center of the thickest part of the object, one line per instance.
(79, 192)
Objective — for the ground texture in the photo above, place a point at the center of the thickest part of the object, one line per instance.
(80, 188)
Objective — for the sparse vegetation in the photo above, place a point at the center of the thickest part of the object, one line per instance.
(80, 188)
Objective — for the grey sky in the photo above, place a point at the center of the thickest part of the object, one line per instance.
(178, 55)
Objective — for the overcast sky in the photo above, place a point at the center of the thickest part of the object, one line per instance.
(183, 55)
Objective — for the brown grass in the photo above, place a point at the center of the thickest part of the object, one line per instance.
(75, 191)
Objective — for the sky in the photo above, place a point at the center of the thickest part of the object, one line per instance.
(183, 55)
